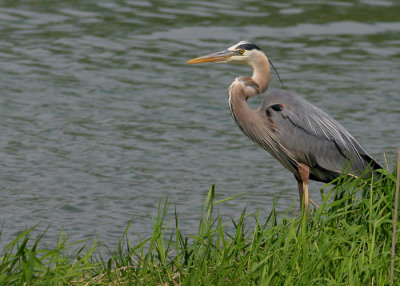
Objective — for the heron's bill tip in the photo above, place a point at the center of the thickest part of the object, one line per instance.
(215, 57)
(200, 60)
(194, 61)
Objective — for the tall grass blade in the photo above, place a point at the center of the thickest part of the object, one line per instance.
(396, 206)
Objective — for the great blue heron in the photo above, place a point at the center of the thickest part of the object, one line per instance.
(306, 140)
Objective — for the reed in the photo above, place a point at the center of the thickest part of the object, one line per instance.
(346, 241)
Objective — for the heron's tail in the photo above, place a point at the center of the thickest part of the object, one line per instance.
(375, 166)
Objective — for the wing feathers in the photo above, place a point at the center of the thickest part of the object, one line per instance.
(313, 137)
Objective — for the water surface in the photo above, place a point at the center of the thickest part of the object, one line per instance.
(101, 118)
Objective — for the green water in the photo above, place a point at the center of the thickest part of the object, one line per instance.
(101, 117)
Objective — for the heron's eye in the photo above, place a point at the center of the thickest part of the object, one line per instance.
(241, 51)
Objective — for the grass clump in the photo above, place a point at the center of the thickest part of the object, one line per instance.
(346, 241)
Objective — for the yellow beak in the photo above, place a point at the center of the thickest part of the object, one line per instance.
(222, 56)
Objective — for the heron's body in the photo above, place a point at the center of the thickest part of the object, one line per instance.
(299, 137)
(302, 137)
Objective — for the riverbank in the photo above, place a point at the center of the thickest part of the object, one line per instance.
(346, 241)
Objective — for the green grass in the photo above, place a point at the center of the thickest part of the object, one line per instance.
(346, 241)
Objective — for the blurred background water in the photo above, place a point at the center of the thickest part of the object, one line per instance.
(100, 117)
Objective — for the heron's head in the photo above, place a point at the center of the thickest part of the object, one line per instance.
(240, 53)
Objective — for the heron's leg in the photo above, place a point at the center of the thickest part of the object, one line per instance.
(300, 186)
(302, 182)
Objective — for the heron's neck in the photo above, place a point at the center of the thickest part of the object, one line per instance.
(243, 88)
(261, 71)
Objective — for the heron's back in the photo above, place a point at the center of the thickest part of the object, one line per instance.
(312, 137)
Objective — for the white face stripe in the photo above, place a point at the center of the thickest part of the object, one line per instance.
(234, 47)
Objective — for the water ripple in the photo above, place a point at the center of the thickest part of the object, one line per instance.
(101, 118)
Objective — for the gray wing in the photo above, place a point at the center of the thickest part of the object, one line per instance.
(313, 137)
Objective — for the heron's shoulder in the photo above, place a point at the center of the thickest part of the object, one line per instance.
(281, 96)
